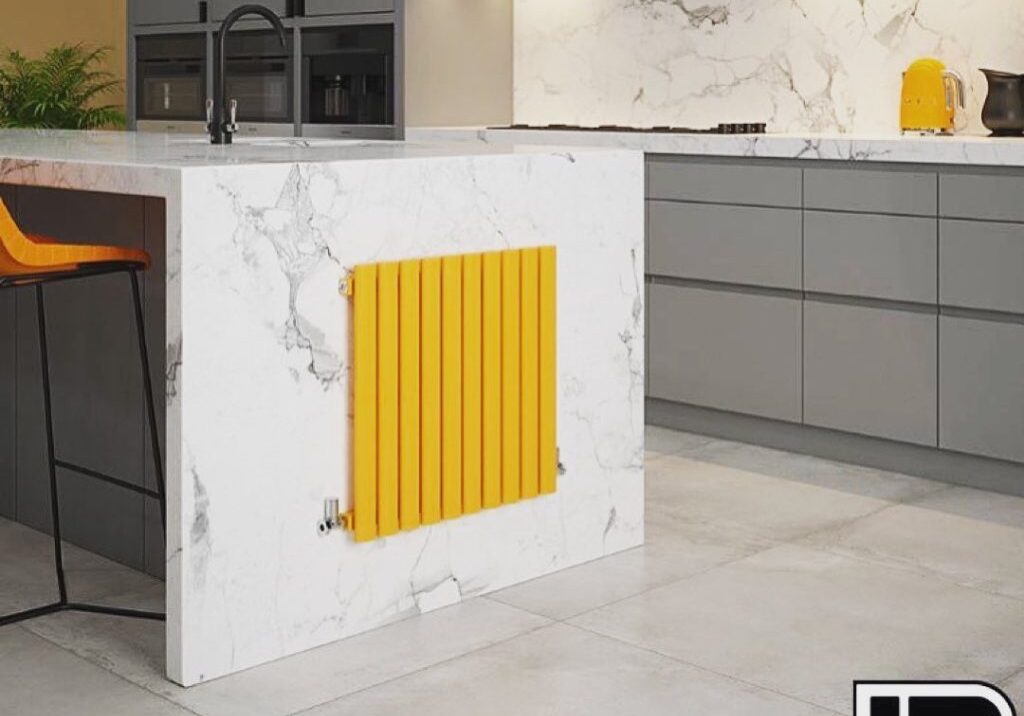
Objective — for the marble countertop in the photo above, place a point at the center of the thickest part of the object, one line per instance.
(154, 150)
(959, 149)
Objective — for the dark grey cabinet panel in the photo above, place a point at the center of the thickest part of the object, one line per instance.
(339, 7)
(981, 196)
(872, 371)
(981, 388)
(886, 191)
(765, 185)
(732, 351)
(8, 389)
(887, 257)
(982, 265)
(219, 9)
(159, 12)
(95, 375)
(733, 244)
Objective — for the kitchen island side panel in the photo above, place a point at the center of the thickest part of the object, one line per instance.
(263, 387)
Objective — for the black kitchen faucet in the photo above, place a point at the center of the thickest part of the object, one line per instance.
(221, 119)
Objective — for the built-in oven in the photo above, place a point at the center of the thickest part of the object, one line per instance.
(170, 82)
(348, 81)
(259, 77)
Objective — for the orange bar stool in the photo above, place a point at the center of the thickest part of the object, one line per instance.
(36, 261)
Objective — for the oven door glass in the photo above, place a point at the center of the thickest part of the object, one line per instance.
(348, 76)
(171, 77)
(259, 76)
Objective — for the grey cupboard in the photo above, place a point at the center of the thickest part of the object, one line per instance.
(822, 304)
(98, 405)
(163, 12)
(342, 7)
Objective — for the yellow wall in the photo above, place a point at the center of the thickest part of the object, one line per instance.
(33, 26)
(458, 62)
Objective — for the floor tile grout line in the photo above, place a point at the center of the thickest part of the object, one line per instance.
(383, 682)
(103, 667)
(699, 667)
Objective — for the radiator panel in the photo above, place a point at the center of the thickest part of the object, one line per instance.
(455, 382)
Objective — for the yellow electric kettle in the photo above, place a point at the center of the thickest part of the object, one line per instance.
(932, 99)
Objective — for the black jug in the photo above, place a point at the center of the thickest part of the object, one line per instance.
(1003, 112)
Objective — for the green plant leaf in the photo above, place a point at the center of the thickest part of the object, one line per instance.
(60, 90)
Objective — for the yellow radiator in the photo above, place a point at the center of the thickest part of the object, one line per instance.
(455, 387)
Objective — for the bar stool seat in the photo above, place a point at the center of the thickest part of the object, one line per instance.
(33, 260)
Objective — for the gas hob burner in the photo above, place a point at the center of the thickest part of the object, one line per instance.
(723, 128)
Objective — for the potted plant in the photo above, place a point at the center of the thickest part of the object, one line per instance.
(60, 90)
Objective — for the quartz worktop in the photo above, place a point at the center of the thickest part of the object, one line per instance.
(960, 149)
(259, 236)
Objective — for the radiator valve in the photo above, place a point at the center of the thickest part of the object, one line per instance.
(332, 519)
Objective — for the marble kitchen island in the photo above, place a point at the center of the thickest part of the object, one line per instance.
(258, 414)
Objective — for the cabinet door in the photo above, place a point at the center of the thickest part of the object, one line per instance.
(8, 386)
(219, 9)
(872, 255)
(732, 351)
(752, 245)
(341, 7)
(95, 379)
(871, 371)
(757, 184)
(981, 387)
(981, 265)
(881, 191)
(161, 12)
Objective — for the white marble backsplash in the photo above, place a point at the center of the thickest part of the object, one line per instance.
(800, 65)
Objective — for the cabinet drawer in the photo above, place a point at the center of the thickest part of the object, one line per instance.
(981, 387)
(871, 371)
(735, 244)
(158, 12)
(885, 191)
(981, 265)
(732, 351)
(765, 185)
(981, 196)
(339, 7)
(890, 257)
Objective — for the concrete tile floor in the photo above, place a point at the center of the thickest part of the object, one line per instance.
(769, 582)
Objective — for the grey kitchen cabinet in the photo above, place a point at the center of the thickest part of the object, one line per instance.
(871, 255)
(871, 370)
(982, 265)
(757, 184)
(887, 191)
(341, 7)
(219, 9)
(8, 388)
(981, 387)
(164, 12)
(733, 244)
(720, 349)
(96, 382)
(992, 197)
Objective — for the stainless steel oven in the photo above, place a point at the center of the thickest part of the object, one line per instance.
(348, 81)
(259, 77)
(170, 80)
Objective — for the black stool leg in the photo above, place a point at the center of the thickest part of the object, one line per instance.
(154, 437)
(58, 553)
(44, 358)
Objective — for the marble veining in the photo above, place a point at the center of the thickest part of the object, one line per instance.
(259, 410)
(800, 65)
